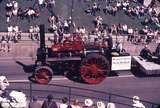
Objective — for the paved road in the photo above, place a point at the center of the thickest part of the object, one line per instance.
(128, 85)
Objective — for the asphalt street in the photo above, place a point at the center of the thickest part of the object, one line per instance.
(147, 88)
(126, 85)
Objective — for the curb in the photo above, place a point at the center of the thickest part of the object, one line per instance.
(17, 58)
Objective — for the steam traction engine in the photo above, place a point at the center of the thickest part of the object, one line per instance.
(74, 58)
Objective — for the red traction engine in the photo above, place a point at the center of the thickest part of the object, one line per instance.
(74, 58)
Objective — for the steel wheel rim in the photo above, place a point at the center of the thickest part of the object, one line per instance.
(94, 70)
(43, 76)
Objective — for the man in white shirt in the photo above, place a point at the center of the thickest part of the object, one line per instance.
(130, 34)
(41, 4)
(10, 30)
(125, 28)
(64, 103)
(30, 13)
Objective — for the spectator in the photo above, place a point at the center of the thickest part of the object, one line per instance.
(8, 16)
(3, 44)
(94, 9)
(88, 103)
(9, 6)
(136, 36)
(110, 42)
(51, 5)
(76, 104)
(15, 12)
(9, 44)
(15, 7)
(3, 83)
(108, 9)
(137, 103)
(15, 4)
(114, 29)
(20, 13)
(34, 103)
(98, 21)
(130, 34)
(36, 32)
(66, 27)
(114, 10)
(125, 28)
(49, 103)
(111, 105)
(31, 32)
(16, 29)
(41, 4)
(10, 30)
(100, 104)
(64, 103)
(30, 13)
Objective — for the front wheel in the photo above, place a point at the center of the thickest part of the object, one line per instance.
(94, 68)
(42, 75)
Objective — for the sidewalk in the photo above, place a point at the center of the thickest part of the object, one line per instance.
(27, 49)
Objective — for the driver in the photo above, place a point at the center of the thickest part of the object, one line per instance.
(145, 53)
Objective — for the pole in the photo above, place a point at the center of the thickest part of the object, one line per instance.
(109, 98)
(30, 91)
(69, 95)
(72, 9)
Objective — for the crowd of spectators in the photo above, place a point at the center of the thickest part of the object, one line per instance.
(13, 36)
(134, 10)
(18, 97)
(145, 35)
(88, 103)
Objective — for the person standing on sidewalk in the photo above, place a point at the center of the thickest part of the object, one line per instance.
(34, 103)
(49, 103)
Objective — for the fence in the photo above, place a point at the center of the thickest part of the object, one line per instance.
(59, 91)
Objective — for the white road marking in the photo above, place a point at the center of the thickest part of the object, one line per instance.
(122, 76)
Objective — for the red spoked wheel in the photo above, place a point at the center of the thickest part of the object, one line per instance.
(94, 68)
(42, 75)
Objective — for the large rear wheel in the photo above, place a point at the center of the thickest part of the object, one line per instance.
(94, 68)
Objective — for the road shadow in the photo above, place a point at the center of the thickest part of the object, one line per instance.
(112, 74)
(27, 68)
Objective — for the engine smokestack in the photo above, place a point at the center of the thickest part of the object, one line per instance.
(42, 36)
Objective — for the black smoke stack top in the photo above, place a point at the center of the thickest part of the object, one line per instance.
(42, 36)
(41, 52)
